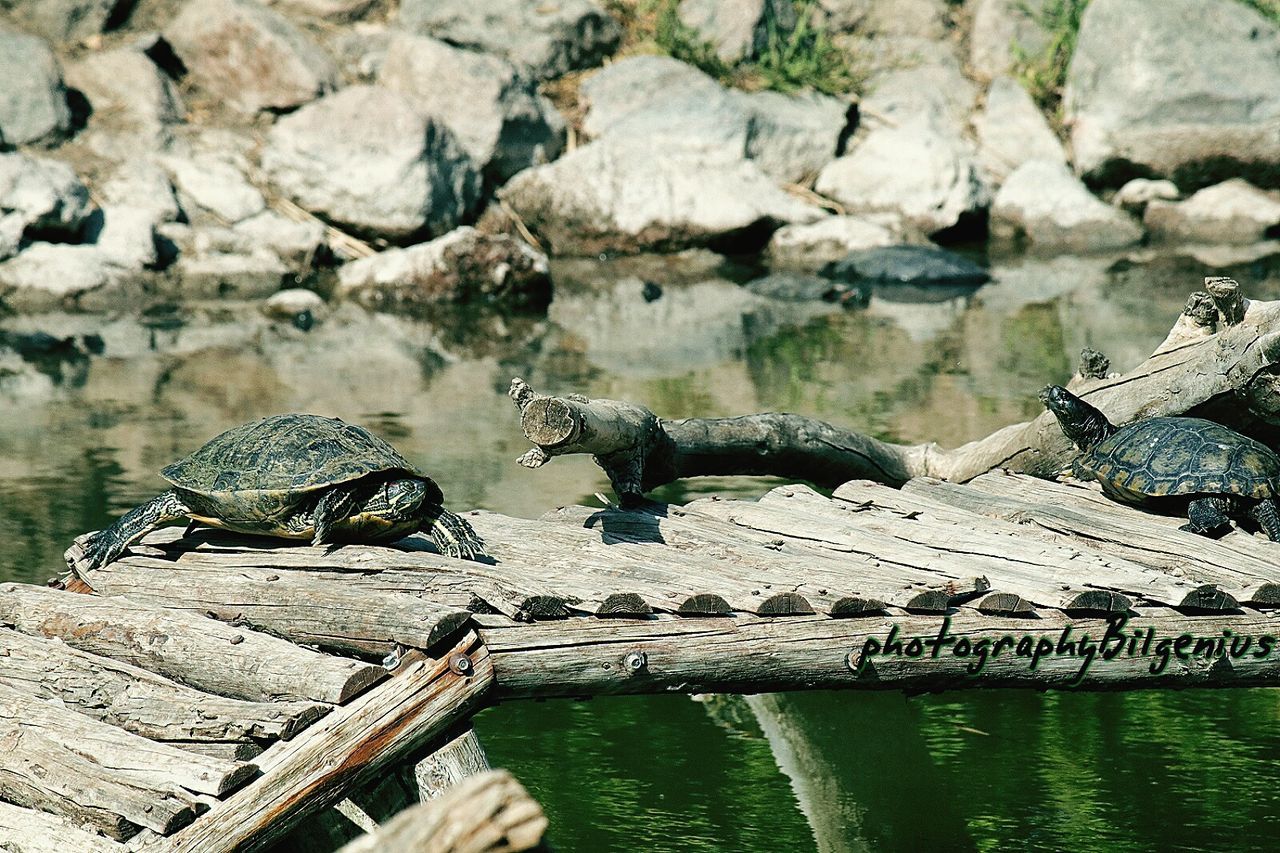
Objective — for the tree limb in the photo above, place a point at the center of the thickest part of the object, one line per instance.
(1222, 346)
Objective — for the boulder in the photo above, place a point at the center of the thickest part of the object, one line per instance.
(1011, 130)
(367, 158)
(295, 302)
(920, 265)
(463, 266)
(125, 235)
(33, 99)
(1233, 211)
(792, 136)
(69, 20)
(737, 29)
(295, 243)
(1001, 30)
(1043, 202)
(142, 183)
(249, 56)
(11, 228)
(494, 111)
(543, 39)
(834, 237)
(613, 196)
(216, 181)
(1186, 89)
(1134, 196)
(128, 93)
(48, 275)
(46, 194)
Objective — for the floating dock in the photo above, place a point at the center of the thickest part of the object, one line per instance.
(208, 692)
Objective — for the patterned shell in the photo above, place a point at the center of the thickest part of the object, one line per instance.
(1184, 456)
(286, 454)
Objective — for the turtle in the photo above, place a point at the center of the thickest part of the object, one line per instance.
(1213, 471)
(295, 476)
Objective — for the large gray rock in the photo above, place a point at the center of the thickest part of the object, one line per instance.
(125, 235)
(1233, 211)
(216, 182)
(1011, 130)
(295, 243)
(1045, 203)
(1135, 195)
(464, 265)
(33, 99)
(46, 194)
(68, 20)
(1000, 30)
(130, 97)
(616, 196)
(48, 275)
(737, 29)
(830, 239)
(792, 136)
(366, 157)
(494, 111)
(250, 56)
(142, 183)
(11, 228)
(544, 39)
(1171, 86)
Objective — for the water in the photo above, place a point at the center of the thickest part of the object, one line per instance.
(81, 440)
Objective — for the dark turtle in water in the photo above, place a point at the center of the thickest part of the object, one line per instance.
(298, 477)
(1213, 471)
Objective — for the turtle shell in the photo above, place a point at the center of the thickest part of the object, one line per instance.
(286, 455)
(1184, 456)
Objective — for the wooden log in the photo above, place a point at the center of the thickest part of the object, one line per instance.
(303, 607)
(199, 652)
(346, 749)
(146, 704)
(487, 813)
(748, 654)
(30, 831)
(458, 757)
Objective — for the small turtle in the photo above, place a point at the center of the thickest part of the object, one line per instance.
(1212, 471)
(298, 477)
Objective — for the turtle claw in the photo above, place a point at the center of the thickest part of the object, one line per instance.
(88, 552)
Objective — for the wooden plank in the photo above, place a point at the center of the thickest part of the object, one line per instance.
(458, 757)
(747, 654)
(1122, 532)
(29, 831)
(325, 610)
(487, 813)
(349, 747)
(141, 702)
(202, 653)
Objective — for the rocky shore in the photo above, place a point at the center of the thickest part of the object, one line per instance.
(406, 154)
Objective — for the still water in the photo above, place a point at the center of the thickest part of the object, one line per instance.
(81, 438)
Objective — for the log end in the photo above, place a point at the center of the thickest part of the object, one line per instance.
(1005, 604)
(624, 604)
(704, 604)
(852, 606)
(785, 604)
(1098, 601)
(1208, 598)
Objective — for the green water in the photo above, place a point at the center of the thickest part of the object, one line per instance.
(81, 440)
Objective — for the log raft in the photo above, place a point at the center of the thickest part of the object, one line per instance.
(211, 692)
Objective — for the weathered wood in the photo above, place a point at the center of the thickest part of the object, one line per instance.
(30, 831)
(487, 813)
(202, 653)
(747, 654)
(346, 749)
(303, 607)
(458, 757)
(144, 703)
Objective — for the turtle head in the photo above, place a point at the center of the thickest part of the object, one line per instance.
(1082, 423)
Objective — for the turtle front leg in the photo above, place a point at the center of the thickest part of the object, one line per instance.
(1267, 515)
(1208, 516)
(98, 549)
(452, 534)
(335, 505)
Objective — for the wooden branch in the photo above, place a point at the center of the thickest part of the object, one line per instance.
(639, 451)
(487, 813)
(202, 653)
(458, 758)
(31, 831)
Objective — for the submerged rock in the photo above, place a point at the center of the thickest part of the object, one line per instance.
(1134, 196)
(545, 39)
(610, 196)
(367, 158)
(463, 266)
(1233, 211)
(923, 265)
(797, 287)
(1049, 206)
(295, 305)
(33, 99)
(49, 275)
(833, 237)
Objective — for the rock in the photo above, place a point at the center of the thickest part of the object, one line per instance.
(127, 92)
(45, 193)
(611, 196)
(218, 275)
(1233, 211)
(1043, 202)
(543, 39)
(922, 265)
(216, 182)
(922, 19)
(367, 158)
(1134, 196)
(792, 137)
(11, 228)
(69, 20)
(796, 287)
(833, 237)
(46, 275)
(33, 99)
(737, 29)
(1186, 89)
(295, 302)
(843, 16)
(249, 56)
(494, 111)
(1011, 130)
(126, 236)
(464, 265)
(295, 243)
(1000, 29)
(331, 10)
(142, 183)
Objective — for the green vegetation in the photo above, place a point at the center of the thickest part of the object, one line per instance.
(1045, 73)
(803, 57)
(1269, 9)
